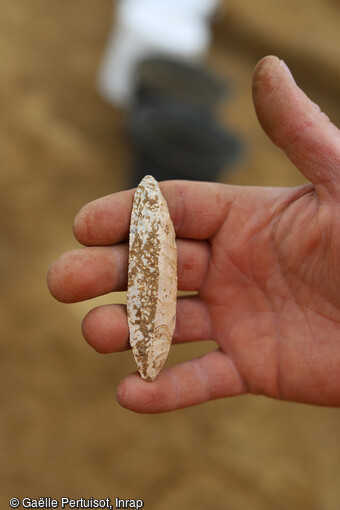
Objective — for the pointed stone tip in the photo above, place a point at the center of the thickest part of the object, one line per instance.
(148, 178)
(146, 377)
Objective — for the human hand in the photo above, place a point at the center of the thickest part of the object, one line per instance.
(265, 263)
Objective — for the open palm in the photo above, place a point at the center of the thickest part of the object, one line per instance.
(265, 263)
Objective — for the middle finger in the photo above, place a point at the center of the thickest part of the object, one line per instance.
(86, 273)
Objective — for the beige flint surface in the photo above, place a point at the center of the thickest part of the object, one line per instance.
(152, 285)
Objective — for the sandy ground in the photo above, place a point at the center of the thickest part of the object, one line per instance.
(62, 432)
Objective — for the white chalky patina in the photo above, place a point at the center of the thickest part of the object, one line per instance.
(152, 281)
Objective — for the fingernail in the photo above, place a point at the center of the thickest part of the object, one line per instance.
(288, 71)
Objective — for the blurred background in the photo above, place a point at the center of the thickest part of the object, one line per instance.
(68, 137)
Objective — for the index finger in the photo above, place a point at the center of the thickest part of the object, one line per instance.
(197, 210)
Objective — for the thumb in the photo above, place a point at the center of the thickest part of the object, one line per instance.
(296, 125)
